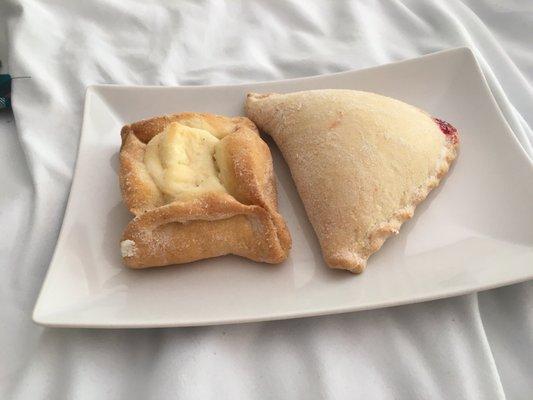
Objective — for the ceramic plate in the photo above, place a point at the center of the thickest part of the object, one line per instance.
(474, 232)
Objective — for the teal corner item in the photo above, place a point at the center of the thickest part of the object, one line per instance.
(5, 91)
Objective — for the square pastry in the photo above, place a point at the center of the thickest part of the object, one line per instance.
(200, 186)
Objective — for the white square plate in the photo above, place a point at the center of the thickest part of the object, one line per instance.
(474, 232)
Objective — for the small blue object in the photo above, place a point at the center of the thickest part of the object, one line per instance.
(5, 91)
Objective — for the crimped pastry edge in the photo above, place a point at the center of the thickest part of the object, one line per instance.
(356, 262)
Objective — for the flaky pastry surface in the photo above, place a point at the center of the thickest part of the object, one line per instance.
(244, 221)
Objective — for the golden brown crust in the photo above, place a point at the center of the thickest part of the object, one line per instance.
(210, 226)
(244, 222)
(139, 192)
(254, 181)
(146, 129)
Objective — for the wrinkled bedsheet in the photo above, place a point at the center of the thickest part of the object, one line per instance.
(478, 346)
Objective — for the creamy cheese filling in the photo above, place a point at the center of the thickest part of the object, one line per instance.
(181, 162)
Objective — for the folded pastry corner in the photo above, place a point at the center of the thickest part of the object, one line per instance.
(200, 186)
(361, 163)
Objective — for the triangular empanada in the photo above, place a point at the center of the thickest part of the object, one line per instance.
(361, 163)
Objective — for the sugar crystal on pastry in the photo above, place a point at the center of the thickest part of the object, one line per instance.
(127, 248)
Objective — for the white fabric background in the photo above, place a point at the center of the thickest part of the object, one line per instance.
(478, 346)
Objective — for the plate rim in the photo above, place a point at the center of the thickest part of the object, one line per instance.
(280, 316)
(47, 318)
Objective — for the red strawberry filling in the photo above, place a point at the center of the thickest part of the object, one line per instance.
(448, 130)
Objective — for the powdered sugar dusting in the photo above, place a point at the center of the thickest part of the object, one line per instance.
(128, 248)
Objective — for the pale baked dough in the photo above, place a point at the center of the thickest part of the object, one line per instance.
(361, 163)
(200, 186)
